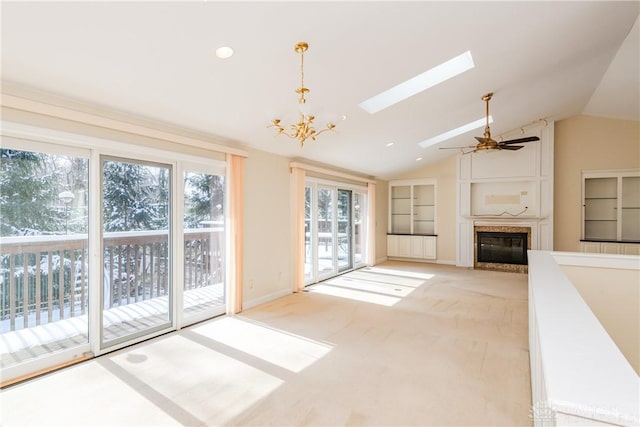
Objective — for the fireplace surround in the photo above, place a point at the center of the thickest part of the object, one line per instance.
(506, 189)
(501, 248)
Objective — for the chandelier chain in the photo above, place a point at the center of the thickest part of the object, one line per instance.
(302, 100)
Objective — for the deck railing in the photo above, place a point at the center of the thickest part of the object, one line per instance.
(46, 278)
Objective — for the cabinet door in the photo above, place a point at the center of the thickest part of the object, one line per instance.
(590, 247)
(630, 208)
(631, 249)
(399, 246)
(600, 208)
(417, 248)
(429, 247)
(610, 248)
(404, 246)
(392, 246)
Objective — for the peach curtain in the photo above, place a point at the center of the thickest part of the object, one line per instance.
(297, 227)
(235, 176)
(371, 224)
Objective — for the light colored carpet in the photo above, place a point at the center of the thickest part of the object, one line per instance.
(397, 344)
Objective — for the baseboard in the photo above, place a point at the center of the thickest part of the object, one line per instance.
(446, 261)
(270, 297)
(381, 260)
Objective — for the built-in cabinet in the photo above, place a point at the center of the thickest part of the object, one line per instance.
(610, 248)
(412, 223)
(407, 246)
(611, 211)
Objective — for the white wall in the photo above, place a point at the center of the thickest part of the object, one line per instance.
(267, 228)
(382, 219)
(613, 294)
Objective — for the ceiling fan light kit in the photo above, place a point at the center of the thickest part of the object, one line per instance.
(303, 129)
(486, 143)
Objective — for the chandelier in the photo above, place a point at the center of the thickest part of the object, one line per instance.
(302, 130)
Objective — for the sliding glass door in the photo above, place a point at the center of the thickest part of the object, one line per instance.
(345, 239)
(99, 251)
(136, 254)
(334, 230)
(325, 237)
(204, 240)
(44, 268)
(359, 215)
(309, 249)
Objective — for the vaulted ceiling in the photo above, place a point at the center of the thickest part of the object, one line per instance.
(155, 60)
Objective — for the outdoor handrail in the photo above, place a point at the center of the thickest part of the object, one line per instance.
(47, 261)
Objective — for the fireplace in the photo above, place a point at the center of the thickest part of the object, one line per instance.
(502, 248)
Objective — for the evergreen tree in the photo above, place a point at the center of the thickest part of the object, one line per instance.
(130, 198)
(28, 194)
(205, 198)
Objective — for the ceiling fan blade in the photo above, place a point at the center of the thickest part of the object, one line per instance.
(510, 147)
(521, 140)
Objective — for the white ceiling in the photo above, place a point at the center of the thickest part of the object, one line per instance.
(155, 60)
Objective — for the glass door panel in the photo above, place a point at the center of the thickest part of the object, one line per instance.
(308, 247)
(204, 225)
(136, 277)
(344, 230)
(359, 213)
(44, 270)
(326, 227)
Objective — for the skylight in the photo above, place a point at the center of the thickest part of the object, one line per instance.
(419, 83)
(455, 132)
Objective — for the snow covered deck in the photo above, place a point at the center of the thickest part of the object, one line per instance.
(44, 286)
(24, 344)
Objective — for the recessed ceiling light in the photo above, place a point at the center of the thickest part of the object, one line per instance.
(455, 132)
(389, 144)
(224, 52)
(418, 159)
(417, 84)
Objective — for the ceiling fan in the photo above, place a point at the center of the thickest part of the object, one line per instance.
(487, 143)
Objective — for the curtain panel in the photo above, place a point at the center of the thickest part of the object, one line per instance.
(371, 224)
(297, 232)
(235, 235)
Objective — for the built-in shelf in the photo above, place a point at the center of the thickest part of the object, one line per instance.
(611, 206)
(412, 224)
